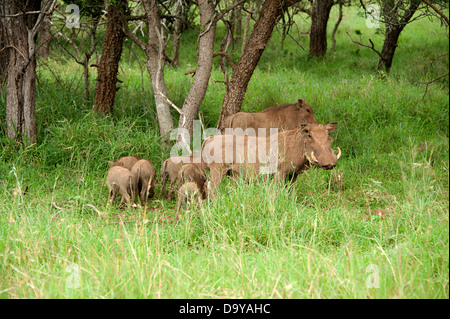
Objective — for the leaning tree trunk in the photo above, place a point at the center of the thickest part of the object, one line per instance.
(155, 65)
(109, 60)
(205, 52)
(319, 20)
(243, 70)
(154, 51)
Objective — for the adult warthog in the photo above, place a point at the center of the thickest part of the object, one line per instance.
(285, 154)
(282, 117)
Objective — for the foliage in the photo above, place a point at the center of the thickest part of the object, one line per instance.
(91, 8)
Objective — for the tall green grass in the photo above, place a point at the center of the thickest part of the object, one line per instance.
(318, 238)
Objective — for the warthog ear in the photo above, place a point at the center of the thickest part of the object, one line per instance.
(110, 164)
(301, 102)
(331, 127)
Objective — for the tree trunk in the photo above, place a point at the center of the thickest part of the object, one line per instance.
(243, 70)
(85, 65)
(177, 33)
(319, 20)
(154, 51)
(205, 52)
(4, 56)
(336, 26)
(246, 27)
(388, 50)
(236, 25)
(14, 89)
(29, 102)
(45, 38)
(109, 60)
(19, 38)
(155, 65)
(395, 23)
(238, 22)
(284, 31)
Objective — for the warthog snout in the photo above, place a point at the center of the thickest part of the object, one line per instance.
(333, 162)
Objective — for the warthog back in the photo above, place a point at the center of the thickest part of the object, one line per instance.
(145, 175)
(126, 161)
(120, 178)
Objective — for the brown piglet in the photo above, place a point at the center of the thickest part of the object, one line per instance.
(145, 175)
(188, 193)
(120, 178)
(192, 173)
(170, 168)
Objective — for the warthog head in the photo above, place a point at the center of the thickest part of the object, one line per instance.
(305, 112)
(318, 145)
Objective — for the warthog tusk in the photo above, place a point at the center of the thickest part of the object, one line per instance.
(339, 153)
(314, 158)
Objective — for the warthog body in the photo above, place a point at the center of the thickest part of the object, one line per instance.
(145, 175)
(121, 178)
(286, 154)
(169, 171)
(188, 193)
(126, 161)
(192, 173)
(283, 117)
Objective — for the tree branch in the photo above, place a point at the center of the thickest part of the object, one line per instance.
(372, 46)
(132, 35)
(427, 84)
(190, 72)
(437, 11)
(12, 46)
(40, 17)
(224, 54)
